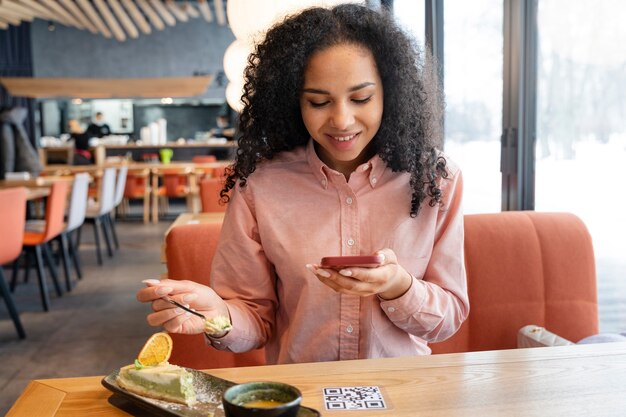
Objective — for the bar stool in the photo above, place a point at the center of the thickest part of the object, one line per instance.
(36, 241)
(12, 221)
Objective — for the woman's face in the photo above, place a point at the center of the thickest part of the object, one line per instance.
(342, 104)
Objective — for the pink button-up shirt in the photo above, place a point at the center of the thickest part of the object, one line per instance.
(296, 210)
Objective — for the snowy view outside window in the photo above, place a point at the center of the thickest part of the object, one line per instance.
(581, 133)
(581, 118)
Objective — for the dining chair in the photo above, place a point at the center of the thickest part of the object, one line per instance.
(137, 187)
(36, 239)
(120, 185)
(75, 219)
(12, 221)
(210, 195)
(98, 212)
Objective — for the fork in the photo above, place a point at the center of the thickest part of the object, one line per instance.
(177, 304)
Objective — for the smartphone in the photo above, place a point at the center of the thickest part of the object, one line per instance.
(366, 261)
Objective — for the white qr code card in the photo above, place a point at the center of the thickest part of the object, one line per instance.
(354, 398)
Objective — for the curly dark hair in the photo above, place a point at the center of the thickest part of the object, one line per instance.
(410, 129)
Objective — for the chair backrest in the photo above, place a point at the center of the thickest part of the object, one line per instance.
(189, 252)
(136, 183)
(210, 195)
(107, 192)
(12, 221)
(78, 201)
(55, 209)
(120, 184)
(526, 268)
(203, 158)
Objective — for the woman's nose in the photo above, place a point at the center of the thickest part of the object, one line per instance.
(342, 117)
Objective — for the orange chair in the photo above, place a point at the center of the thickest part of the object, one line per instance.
(203, 172)
(36, 241)
(210, 195)
(12, 220)
(137, 187)
(189, 252)
(526, 268)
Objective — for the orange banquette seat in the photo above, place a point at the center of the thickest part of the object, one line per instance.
(522, 268)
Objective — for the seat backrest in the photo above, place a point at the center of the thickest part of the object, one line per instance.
(136, 183)
(525, 268)
(189, 252)
(203, 158)
(78, 201)
(120, 184)
(12, 221)
(55, 209)
(107, 191)
(210, 195)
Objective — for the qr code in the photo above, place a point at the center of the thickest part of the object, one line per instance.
(354, 398)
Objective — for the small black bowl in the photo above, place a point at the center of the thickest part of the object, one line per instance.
(245, 400)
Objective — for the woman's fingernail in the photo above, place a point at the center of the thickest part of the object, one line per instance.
(346, 272)
(323, 273)
(164, 290)
(187, 298)
(150, 281)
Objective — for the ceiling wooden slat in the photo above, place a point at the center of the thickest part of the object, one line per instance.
(190, 9)
(152, 15)
(14, 15)
(203, 5)
(220, 12)
(40, 9)
(79, 15)
(59, 10)
(9, 19)
(124, 19)
(19, 8)
(163, 12)
(108, 17)
(176, 11)
(134, 12)
(3, 25)
(106, 87)
(95, 17)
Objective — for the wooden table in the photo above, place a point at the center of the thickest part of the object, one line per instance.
(577, 380)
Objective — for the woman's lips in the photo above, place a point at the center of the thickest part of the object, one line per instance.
(344, 141)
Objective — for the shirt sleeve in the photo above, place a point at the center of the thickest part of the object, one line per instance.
(243, 277)
(437, 303)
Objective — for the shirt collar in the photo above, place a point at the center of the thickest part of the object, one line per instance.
(375, 165)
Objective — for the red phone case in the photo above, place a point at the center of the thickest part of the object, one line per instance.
(367, 261)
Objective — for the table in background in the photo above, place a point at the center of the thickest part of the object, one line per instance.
(576, 380)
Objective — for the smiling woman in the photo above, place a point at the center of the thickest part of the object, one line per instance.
(337, 157)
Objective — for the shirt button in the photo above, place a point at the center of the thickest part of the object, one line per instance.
(349, 200)
(324, 183)
(349, 329)
(391, 309)
(350, 242)
(365, 167)
(215, 342)
(374, 180)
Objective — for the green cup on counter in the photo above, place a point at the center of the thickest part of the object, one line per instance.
(166, 155)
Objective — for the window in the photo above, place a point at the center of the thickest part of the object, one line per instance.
(581, 132)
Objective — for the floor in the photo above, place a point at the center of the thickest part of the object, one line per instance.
(99, 326)
(93, 330)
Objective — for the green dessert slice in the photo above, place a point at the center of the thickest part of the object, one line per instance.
(163, 382)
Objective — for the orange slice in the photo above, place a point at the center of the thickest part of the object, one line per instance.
(156, 350)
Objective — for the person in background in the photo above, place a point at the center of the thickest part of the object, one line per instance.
(82, 155)
(337, 157)
(98, 128)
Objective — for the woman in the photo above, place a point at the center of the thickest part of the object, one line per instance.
(336, 157)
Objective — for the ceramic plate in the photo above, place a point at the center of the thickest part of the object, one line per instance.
(209, 391)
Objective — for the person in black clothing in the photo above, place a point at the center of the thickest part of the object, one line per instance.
(98, 128)
(82, 156)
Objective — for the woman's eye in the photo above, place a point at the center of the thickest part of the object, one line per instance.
(362, 100)
(317, 104)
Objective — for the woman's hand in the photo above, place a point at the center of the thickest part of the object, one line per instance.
(388, 281)
(174, 319)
